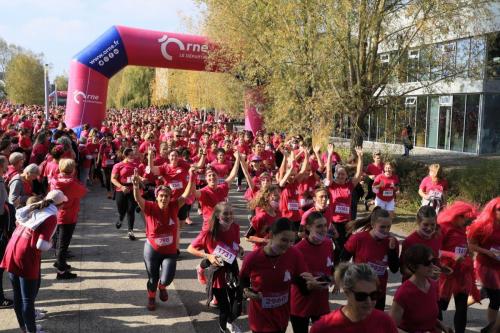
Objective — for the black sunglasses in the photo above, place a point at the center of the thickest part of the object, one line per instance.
(362, 296)
(434, 261)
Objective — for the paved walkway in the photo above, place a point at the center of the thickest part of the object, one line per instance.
(110, 293)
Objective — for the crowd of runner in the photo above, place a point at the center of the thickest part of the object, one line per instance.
(303, 201)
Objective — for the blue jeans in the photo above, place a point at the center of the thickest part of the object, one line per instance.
(25, 291)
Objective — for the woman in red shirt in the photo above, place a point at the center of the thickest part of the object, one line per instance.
(266, 206)
(484, 239)
(375, 246)
(266, 277)
(121, 177)
(415, 304)
(461, 282)
(340, 189)
(373, 170)
(22, 257)
(219, 246)
(317, 250)
(107, 158)
(160, 248)
(359, 315)
(386, 186)
(434, 188)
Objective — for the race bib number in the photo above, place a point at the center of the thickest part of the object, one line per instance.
(201, 176)
(110, 162)
(164, 241)
(342, 209)
(220, 181)
(226, 255)
(294, 205)
(496, 251)
(271, 302)
(175, 185)
(460, 251)
(435, 194)
(388, 193)
(89, 157)
(129, 180)
(380, 270)
(305, 202)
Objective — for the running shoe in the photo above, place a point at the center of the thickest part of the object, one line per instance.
(6, 303)
(118, 224)
(233, 328)
(214, 303)
(131, 236)
(163, 294)
(39, 315)
(67, 275)
(151, 304)
(200, 272)
(62, 268)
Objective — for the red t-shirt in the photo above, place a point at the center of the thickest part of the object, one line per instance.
(414, 238)
(336, 322)
(227, 240)
(420, 308)
(327, 214)
(433, 188)
(74, 191)
(176, 177)
(125, 172)
(221, 169)
(161, 226)
(388, 191)
(374, 170)
(209, 197)
(306, 192)
(366, 249)
(272, 276)
(340, 196)
(22, 258)
(108, 155)
(38, 153)
(289, 202)
(319, 261)
(261, 222)
(335, 158)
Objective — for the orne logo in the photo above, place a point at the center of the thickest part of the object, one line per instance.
(88, 98)
(190, 48)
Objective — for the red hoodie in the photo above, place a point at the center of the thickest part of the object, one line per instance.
(75, 191)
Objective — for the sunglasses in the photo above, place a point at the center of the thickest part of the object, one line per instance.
(433, 261)
(360, 296)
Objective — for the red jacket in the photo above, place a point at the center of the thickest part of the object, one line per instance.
(75, 191)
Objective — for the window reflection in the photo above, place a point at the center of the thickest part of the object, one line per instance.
(471, 123)
(463, 50)
(494, 56)
(477, 54)
(457, 123)
(490, 137)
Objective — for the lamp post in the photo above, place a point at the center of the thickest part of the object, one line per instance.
(46, 84)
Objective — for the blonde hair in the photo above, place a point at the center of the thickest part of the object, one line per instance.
(67, 165)
(437, 168)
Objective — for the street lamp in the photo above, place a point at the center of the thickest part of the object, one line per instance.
(46, 84)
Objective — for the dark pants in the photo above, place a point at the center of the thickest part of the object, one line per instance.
(301, 324)
(240, 176)
(340, 241)
(380, 305)
(184, 212)
(64, 237)
(225, 301)
(107, 177)
(494, 296)
(369, 184)
(126, 205)
(357, 194)
(155, 261)
(3, 245)
(460, 318)
(25, 291)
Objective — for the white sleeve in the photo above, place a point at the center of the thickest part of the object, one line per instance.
(43, 245)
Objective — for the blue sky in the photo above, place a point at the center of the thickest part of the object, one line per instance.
(61, 28)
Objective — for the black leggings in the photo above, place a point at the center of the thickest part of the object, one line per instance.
(301, 324)
(126, 205)
(107, 177)
(460, 318)
(64, 236)
(155, 261)
(225, 301)
(494, 296)
(184, 212)
(240, 176)
(340, 241)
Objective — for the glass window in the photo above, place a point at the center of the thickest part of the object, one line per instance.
(372, 132)
(471, 123)
(420, 121)
(435, 62)
(413, 60)
(490, 133)
(457, 123)
(425, 61)
(433, 122)
(449, 51)
(382, 119)
(493, 59)
(463, 54)
(477, 55)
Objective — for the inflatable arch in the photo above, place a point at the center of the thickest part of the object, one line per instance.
(119, 46)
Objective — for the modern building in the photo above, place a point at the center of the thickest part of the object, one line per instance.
(461, 114)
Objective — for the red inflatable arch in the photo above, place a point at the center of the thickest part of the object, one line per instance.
(119, 46)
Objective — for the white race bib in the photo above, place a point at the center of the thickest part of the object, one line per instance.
(380, 270)
(129, 180)
(220, 181)
(388, 193)
(164, 241)
(110, 162)
(342, 209)
(271, 302)
(175, 185)
(293, 205)
(225, 254)
(496, 251)
(201, 176)
(460, 251)
(89, 157)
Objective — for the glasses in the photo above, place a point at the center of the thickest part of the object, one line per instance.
(360, 296)
(433, 261)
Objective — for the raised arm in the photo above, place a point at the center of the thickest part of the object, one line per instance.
(153, 169)
(316, 151)
(234, 171)
(244, 167)
(283, 180)
(188, 190)
(329, 163)
(359, 167)
(203, 158)
(136, 182)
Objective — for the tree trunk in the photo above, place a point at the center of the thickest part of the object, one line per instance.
(358, 130)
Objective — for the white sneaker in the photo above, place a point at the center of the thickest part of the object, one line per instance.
(40, 314)
(39, 329)
(233, 328)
